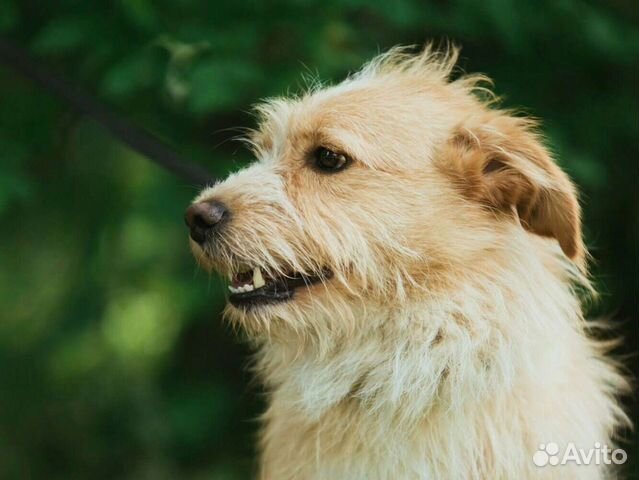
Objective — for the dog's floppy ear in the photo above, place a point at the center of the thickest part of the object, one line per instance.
(502, 163)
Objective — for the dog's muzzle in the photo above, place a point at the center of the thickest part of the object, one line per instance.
(253, 286)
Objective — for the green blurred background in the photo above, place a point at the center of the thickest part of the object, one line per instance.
(114, 361)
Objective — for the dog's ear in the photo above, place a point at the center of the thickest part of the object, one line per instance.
(502, 163)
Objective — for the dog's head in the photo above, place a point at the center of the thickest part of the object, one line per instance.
(377, 191)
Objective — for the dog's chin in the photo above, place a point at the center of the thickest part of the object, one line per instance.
(274, 308)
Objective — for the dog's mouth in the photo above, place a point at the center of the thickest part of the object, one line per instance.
(253, 287)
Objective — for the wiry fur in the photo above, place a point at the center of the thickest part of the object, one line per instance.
(450, 341)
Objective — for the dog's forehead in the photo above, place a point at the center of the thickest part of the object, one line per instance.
(375, 122)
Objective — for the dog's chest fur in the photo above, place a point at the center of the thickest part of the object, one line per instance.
(464, 387)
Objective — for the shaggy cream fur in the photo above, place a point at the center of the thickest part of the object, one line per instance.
(449, 341)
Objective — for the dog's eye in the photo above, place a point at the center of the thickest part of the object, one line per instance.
(329, 161)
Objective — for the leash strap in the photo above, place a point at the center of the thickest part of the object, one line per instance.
(136, 138)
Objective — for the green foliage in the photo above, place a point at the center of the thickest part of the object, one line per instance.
(116, 363)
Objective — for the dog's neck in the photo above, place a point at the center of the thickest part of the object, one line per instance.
(409, 358)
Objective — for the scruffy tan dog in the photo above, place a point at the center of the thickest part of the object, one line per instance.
(408, 260)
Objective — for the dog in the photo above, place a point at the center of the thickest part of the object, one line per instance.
(407, 259)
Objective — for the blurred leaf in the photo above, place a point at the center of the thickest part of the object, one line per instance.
(140, 327)
(9, 15)
(65, 34)
(130, 75)
(217, 84)
(14, 183)
(199, 413)
(142, 13)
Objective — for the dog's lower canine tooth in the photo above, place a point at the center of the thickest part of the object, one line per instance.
(258, 279)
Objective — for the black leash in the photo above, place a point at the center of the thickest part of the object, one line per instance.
(136, 138)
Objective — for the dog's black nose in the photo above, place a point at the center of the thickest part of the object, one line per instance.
(204, 217)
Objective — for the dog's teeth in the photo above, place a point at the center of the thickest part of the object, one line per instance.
(249, 287)
(258, 279)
